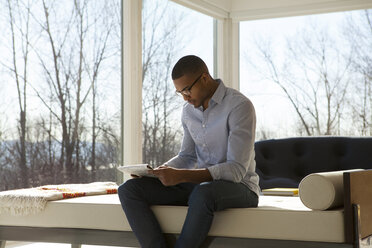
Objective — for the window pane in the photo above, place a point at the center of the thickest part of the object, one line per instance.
(309, 75)
(60, 97)
(169, 32)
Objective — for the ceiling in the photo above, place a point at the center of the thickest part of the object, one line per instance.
(241, 10)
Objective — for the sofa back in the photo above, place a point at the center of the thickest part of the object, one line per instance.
(285, 162)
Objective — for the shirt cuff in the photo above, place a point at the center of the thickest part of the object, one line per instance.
(215, 172)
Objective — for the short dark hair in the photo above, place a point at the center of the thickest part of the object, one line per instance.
(189, 64)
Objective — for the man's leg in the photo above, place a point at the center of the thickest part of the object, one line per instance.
(137, 196)
(207, 198)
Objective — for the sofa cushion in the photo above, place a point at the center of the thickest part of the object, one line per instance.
(285, 162)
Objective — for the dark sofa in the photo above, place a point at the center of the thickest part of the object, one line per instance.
(285, 162)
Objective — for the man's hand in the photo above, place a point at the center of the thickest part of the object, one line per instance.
(167, 175)
(171, 176)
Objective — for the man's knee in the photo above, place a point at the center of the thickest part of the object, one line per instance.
(202, 196)
(127, 189)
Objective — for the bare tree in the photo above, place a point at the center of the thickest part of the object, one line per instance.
(64, 76)
(314, 77)
(93, 68)
(160, 44)
(19, 21)
(73, 75)
(73, 42)
(358, 31)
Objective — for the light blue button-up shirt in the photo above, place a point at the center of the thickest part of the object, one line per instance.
(221, 138)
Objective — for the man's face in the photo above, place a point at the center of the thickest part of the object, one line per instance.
(190, 88)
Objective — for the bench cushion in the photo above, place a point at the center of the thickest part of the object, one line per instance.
(276, 217)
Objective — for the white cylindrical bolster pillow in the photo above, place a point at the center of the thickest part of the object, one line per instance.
(321, 191)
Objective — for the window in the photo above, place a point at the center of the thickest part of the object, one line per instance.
(60, 92)
(170, 32)
(309, 75)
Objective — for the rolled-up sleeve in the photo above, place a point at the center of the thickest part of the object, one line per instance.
(240, 147)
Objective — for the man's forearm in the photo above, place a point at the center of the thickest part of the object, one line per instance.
(195, 175)
(170, 176)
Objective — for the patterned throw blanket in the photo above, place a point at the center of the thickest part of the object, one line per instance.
(22, 202)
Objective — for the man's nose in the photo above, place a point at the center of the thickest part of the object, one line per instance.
(185, 97)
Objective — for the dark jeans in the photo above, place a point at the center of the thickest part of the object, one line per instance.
(137, 195)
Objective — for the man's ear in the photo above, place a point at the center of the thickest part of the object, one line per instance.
(206, 78)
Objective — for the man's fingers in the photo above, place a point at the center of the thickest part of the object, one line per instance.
(162, 166)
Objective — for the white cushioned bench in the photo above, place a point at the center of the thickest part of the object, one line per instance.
(276, 218)
(278, 221)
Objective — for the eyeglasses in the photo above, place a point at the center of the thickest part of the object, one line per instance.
(187, 90)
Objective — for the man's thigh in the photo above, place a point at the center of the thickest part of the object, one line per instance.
(226, 194)
(155, 193)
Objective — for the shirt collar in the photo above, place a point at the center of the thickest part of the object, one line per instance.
(219, 93)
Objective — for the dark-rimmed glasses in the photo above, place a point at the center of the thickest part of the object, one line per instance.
(187, 90)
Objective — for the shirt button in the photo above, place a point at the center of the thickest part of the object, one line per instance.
(203, 125)
(204, 145)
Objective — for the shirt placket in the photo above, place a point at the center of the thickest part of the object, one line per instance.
(204, 126)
